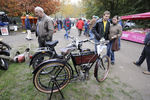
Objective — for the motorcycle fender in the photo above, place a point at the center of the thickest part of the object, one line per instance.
(37, 53)
(48, 62)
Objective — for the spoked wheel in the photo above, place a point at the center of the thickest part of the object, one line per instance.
(40, 58)
(3, 64)
(102, 68)
(57, 78)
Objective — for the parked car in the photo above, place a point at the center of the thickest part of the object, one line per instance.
(3, 19)
(129, 24)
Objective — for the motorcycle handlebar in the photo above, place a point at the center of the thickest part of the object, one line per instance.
(102, 41)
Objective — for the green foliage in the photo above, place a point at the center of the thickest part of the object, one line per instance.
(116, 7)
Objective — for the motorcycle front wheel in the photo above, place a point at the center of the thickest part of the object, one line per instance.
(3, 64)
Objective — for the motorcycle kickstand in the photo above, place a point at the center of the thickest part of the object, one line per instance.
(55, 83)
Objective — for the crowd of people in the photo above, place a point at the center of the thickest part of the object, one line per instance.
(96, 28)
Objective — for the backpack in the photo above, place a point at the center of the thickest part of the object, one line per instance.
(67, 23)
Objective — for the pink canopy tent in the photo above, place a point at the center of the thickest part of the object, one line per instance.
(136, 16)
(135, 36)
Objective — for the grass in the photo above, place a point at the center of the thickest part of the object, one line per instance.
(16, 84)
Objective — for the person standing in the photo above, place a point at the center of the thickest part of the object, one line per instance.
(58, 24)
(91, 24)
(67, 27)
(79, 26)
(145, 54)
(119, 40)
(86, 26)
(101, 28)
(61, 24)
(45, 27)
(28, 27)
(115, 33)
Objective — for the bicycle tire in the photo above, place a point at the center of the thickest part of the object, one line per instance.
(102, 68)
(47, 86)
(40, 58)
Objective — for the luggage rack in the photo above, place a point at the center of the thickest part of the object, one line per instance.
(43, 49)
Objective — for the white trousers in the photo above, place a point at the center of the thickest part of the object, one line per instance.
(28, 34)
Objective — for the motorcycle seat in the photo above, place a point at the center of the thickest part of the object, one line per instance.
(51, 43)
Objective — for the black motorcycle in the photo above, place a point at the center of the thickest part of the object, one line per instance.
(4, 51)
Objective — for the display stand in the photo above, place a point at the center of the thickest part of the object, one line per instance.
(4, 31)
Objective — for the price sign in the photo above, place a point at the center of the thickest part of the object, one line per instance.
(4, 31)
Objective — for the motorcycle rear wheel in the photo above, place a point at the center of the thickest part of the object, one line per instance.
(40, 58)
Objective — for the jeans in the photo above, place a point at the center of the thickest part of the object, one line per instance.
(85, 31)
(91, 34)
(96, 41)
(67, 32)
(119, 42)
(110, 53)
(59, 27)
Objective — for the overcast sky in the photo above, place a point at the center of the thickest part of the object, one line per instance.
(75, 1)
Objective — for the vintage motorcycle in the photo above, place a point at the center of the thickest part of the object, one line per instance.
(4, 51)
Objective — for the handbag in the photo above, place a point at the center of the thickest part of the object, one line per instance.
(115, 45)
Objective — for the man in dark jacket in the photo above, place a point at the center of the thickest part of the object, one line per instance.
(145, 54)
(101, 28)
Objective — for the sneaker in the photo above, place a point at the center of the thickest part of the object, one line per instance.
(146, 72)
(135, 63)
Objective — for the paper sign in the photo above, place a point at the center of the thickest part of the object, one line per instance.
(4, 31)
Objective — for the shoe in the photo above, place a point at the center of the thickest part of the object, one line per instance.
(135, 63)
(112, 63)
(146, 72)
(29, 39)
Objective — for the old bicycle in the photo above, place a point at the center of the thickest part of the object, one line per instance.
(59, 72)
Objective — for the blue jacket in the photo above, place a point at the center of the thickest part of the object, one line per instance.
(27, 24)
(86, 25)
